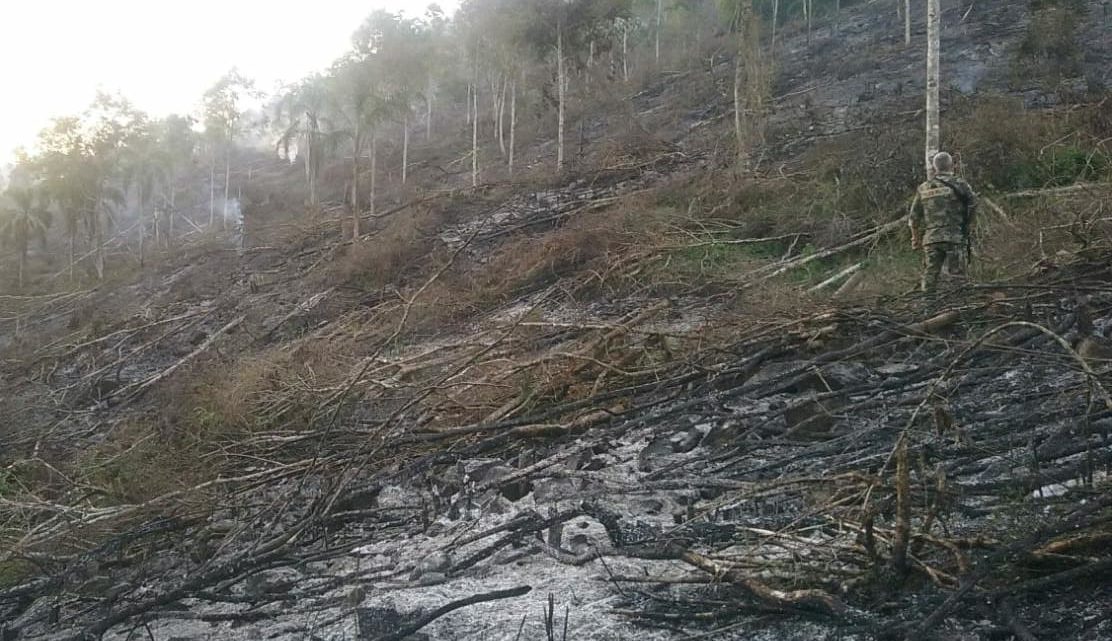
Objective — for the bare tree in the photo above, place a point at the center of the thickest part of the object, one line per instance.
(659, 27)
(907, 22)
(474, 107)
(750, 84)
(933, 28)
(562, 86)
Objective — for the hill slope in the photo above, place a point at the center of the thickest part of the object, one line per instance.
(621, 388)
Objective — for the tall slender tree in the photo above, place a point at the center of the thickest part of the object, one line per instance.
(933, 35)
(299, 111)
(223, 107)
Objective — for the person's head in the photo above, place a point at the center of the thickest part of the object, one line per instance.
(943, 163)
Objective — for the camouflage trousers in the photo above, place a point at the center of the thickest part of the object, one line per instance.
(939, 256)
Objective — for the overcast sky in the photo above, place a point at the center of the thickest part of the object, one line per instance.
(162, 54)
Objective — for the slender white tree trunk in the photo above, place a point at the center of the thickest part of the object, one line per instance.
(475, 140)
(355, 144)
(405, 147)
(808, 8)
(907, 22)
(775, 19)
(494, 104)
(212, 192)
(659, 25)
(428, 110)
(227, 183)
(561, 90)
(739, 106)
(374, 169)
(625, 52)
(98, 238)
(933, 29)
(502, 116)
(513, 121)
(469, 93)
(170, 218)
(142, 228)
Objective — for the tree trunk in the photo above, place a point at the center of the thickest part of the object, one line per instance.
(428, 110)
(355, 145)
(659, 25)
(142, 229)
(513, 121)
(312, 160)
(907, 22)
(739, 132)
(227, 183)
(170, 218)
(475, 140)
(933, 28)
(405, 147)
(22, 264)
(808, 8)
(502, 117)
(98, 238)
(73, 254)
(374, 169)
(775, 19)
(212, 192)
(625, 53)
(561, 90)
(469, 101)
(749, 86)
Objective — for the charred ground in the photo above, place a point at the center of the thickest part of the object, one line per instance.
(622, 387)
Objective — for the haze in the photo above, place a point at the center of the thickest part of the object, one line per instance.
(161, 55)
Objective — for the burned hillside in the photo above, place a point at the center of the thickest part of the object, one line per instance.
(647, 396)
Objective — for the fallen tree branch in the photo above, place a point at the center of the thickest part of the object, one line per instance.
(134, 390)
(406, 630)
(809, 600)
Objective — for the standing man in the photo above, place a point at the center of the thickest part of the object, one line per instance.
(941, 218)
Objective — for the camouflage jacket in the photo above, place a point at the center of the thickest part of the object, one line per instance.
(943, 210)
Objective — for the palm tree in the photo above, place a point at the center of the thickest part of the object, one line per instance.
(24, 218)
(300, 110)
(362, 101)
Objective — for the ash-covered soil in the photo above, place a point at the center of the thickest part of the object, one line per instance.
(656, 467)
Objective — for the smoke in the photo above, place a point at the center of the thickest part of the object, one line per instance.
(233, 213)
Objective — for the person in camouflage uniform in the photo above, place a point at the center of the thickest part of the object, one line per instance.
(941, 216)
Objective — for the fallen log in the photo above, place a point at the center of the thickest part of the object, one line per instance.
(131, 391)
(406, 630)
(870, 236)
(793, 600)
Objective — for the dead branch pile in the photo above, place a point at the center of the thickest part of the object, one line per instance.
(930, 458)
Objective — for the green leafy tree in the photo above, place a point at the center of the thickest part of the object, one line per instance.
(360, 102)
(23, 216)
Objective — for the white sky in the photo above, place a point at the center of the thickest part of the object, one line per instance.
(162, 54)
